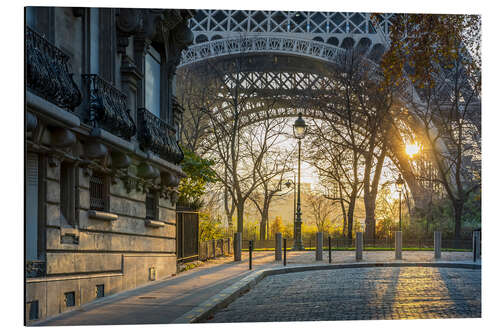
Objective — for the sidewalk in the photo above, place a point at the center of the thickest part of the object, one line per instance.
(164, 301)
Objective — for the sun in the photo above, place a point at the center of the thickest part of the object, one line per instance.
(412, 149)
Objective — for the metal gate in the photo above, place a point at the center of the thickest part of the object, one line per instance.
(187, 235)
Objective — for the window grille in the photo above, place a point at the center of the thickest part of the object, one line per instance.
(69, 299)
(151, 205)
(98, 192)
(99, 291)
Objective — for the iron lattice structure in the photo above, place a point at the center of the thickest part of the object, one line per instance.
(283, 59)
(320, 35)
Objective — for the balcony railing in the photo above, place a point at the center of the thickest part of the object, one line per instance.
(155, 136)
(108, 107)
(48, 72)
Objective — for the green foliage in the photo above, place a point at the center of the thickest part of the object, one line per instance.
(210, 228)
(277, 226)
(199, 174)
(251, 230)
(384, 228)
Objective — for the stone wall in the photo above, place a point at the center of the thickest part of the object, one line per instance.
(119, 254)
(117, 249)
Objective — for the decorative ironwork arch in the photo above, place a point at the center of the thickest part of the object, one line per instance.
(311, 37)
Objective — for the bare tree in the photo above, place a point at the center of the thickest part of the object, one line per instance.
(320, 208)
(339, 166)
(271, 172)
(449, 116)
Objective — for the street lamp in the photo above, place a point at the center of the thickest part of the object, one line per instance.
(400, 182)
(299, 131)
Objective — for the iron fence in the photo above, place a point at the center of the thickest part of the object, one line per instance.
(187, 235)
(214, 248)
(385, 243)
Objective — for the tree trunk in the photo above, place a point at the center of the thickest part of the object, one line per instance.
(263, 224)
(458, 210)
(370, 216)
(350, 215)
(229, 218)
(240, 209)
(265, 217)
(344, 216)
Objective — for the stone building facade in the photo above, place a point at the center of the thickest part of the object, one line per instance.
(102, 158)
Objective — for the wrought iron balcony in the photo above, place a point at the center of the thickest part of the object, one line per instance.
(48, 72)
(155, 136)
(108, 107)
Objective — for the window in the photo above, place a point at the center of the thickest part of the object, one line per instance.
(31, 206)
(99, 291)
(94, 40)
(30, 17)
(153, 82)
(99, 192)
(69, 298)
(68, 186)
(151, 205)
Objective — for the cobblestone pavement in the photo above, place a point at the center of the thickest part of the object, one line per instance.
(360, 294)
(164, 301)
(308, 257)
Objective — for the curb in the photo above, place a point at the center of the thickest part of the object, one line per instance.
(228, 295)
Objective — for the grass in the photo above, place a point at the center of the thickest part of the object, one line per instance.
(370, 249)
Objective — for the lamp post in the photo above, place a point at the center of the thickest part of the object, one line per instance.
(399, 183)
(289, 184)
(299, 131)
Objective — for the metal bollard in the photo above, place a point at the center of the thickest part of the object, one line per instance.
(437, 244)
(399, 245)
(250, 248)
(319, 246)
(277, 246)
(329, 249)
(284, 251)
(237, 246)
(359, 246)
(476, 245)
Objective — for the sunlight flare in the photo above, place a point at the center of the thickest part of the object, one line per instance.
(413, 149)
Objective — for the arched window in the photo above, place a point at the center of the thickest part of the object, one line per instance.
(347, 43)
(201, 39)
(333, 41)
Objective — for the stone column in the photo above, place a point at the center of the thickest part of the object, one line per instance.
(277, 246)
(237, 246)
(399, 245)
(319, 246)
(476, 245)
(437, 244)
(359, 246)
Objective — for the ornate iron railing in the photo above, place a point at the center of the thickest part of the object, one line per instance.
(155, 136)
(48, 72)
(108, 107)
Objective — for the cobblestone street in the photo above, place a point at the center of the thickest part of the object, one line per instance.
(360, 294)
